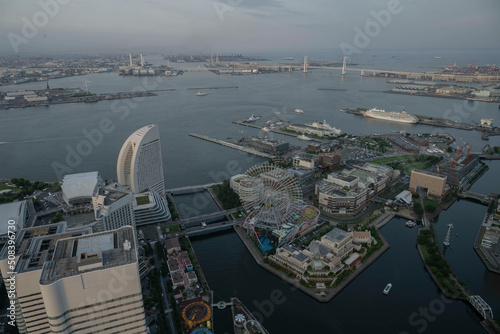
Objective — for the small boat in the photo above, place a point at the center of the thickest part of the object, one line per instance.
(303, 137)
(387, 289)
(437, 57)
(201, 94)
(266, 129)
(299, 111)
(410, 224)
(253, 118)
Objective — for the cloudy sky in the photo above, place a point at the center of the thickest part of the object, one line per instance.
(244, 25)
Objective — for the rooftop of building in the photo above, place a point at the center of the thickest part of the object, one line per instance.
(379, 169)
(276, 174)
(300, 170)
(317, 248)
(24, 236)
(426, 172)
(332, 189)
(171, 243)
(12, 211)
(361, 234)
(99, 251)
(80, 185)
(112, 193)
(366, 175)
(38, 250)
(343, 177)
(144, 200)
(296, 253)
(336, 235)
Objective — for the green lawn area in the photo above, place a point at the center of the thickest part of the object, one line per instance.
(4, 186)
(384, 160)
(142, 200)
(172, 229)
(419, 165)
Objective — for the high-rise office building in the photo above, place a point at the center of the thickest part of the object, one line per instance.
(33, 246)
(140, 164)
(92, 285)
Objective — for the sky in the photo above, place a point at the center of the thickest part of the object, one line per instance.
(167, 26)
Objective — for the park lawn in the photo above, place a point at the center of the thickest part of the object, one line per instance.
(4, 186)
(172, 229)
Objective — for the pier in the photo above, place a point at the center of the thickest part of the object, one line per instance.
(244, 122)
(234, 146)
(486, 135)
(425, 120)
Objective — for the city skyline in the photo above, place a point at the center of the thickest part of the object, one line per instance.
(57, 26)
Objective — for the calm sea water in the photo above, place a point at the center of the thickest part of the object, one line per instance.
(39, 138)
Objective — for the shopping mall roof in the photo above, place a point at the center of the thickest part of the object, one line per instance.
(80, 185)
(12, 211)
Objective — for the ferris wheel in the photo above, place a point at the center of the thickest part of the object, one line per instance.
(268, 184)
(273, 201)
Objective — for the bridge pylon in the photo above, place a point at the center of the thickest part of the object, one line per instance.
(344, 72)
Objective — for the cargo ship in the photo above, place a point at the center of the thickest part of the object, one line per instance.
(393, 116)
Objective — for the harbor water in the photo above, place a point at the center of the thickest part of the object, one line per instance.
(44, 143)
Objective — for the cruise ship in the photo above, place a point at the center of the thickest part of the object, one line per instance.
(401, 117)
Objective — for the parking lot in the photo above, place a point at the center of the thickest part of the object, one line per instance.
(354, 154)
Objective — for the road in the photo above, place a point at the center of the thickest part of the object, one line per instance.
(166, 299)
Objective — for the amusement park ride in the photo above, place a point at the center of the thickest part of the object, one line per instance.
(273, 201)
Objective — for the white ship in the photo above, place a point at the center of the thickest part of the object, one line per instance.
(401, 117)
(410, 224)
(303, 137)
(325, 126)
(201, 94)
(299, 111)
(288, 58)
(253, 118)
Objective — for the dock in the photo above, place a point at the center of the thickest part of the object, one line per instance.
(234, 146)
(425, 120)
(244, 122)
